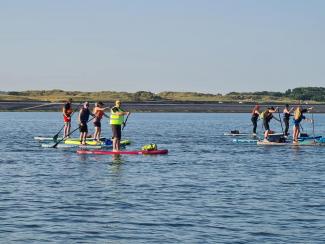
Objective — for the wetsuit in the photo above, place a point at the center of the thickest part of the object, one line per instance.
(266, 120)
(254, 121)
(84, 117)
(286, 118)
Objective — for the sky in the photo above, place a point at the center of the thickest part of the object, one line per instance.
(212, 46)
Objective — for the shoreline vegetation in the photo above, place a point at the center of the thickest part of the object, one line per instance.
(143, 101)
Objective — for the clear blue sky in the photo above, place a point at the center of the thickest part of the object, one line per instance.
(214, 46)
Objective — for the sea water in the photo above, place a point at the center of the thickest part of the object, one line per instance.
(206, 190)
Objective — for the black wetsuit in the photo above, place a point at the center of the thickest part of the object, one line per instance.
(84, 117)
(267, 118)
(254, 121)
(286, 118)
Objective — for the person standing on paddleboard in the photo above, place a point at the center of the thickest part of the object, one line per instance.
(116, 121)
(298, 116)
(267, 115)
(83, 119)
(255, 115)
(98, 111)
(67, 112)
(286, 118)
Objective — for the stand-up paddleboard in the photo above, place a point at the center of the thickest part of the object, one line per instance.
(244, 141)
(139, 152)
(61, 145)
(299, 143)
(254, 141)
(239, 134)
(44, 138)
(95, 143)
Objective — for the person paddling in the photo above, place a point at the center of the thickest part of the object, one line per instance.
(98, 111)
(67, 112)
(267, 116)
(84, 114)
(286, 118)
(255, 115)
(297, 118)
(116, 120)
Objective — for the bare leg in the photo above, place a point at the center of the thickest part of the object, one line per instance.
(295, 133)
(99, 133)
(83, 138)
(114, 144)
(96, 133)
(118, 145)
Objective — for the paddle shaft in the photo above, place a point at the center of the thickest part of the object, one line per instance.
(312, 117)
(124, 123)
(54, 146)
(280, 121)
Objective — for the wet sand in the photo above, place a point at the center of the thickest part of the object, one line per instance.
(153, 107)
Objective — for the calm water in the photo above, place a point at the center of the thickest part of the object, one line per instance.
(207, 190)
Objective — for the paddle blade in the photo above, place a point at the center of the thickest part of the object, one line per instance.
(55, 138)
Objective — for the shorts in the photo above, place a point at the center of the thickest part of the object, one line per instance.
(296, 123)
(97, 124)
(83, 128)
(116, 132)
(266, 125)
(67, 123)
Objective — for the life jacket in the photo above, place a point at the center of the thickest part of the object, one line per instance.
(98, 113)
(262, 115)
(116, 119)
(150, 147)
(297, 114)
(266, 115)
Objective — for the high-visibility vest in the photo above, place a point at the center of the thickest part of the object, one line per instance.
(116, 119)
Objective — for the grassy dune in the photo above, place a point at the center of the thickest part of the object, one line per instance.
(306, 94)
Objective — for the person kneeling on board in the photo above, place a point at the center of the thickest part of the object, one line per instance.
(267, 115)
(297, 118)
(83, 120)
(116, 121)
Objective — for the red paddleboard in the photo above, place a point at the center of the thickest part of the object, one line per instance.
(140, 152)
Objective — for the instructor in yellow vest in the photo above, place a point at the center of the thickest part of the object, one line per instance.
(116, 120)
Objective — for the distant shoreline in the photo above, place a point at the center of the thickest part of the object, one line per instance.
(210, 107)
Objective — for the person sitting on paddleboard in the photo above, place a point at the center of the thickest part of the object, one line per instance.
(267, 116)
(98, 111)
(255, 115)
(286, 118)
(298, 116)
(67, 112)
(116, 121)
(83, 119)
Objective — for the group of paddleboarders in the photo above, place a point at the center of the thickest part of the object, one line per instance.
(267, 116)
(116, 121)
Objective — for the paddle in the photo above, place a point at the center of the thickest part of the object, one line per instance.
(55, 137)
(312, 117)
(280, 121)
(42, 105)
(54, 146)
(124, 123)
